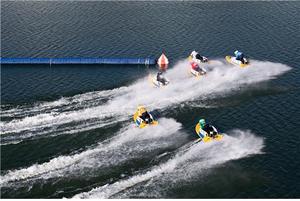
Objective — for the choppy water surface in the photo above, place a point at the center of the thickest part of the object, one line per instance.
(67, 131)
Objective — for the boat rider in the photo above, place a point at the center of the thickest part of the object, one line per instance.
(144, 115)
(239, 56)
(197, 68)
(160, 78)
(209, 129)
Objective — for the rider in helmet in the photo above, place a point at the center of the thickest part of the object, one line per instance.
(197, 68)
(210, 130)
(144, 115)
(160, 78)
(239, 56)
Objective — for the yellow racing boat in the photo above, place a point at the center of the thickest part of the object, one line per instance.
(233, 61)
(143, 118)
(208, 137)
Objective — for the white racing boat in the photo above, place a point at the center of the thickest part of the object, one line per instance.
(196, 57)
(159, 81)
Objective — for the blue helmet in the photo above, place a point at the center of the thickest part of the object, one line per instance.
(202, 123)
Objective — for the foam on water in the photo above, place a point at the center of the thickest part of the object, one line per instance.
(221, 79)
(184, 166)
(130, 142)
(54, 131)
(64, 103)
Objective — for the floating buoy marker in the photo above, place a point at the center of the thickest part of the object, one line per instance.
(163, 61)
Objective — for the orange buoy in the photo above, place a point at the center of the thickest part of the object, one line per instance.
(163, 61)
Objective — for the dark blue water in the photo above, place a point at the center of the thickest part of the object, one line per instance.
(67, 129)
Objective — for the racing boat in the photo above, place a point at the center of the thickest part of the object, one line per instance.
(196, 70)
(208, 137)
(233, 61)
(196, 57)
(142, 118)
(163, 81)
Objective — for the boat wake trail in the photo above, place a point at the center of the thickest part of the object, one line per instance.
(185, 165)
(97, 109)
(76, 102)
(130, 143)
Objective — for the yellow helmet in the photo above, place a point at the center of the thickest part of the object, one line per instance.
(141, 109)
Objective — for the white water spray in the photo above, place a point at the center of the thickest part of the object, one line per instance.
(129, 143)
(184, 166)
(221, 79)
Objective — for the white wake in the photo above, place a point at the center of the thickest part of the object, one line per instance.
(122, 102)
(186, 165)
(130, 142)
